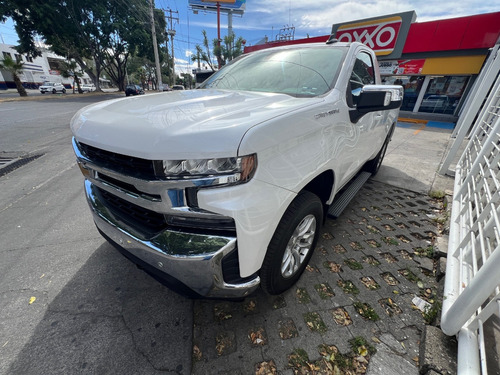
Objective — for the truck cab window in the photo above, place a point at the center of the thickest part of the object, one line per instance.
(362, 74)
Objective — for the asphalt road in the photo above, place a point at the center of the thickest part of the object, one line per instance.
(12, 93)
(69, 302)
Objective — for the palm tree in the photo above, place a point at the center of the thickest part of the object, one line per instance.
(14, 68)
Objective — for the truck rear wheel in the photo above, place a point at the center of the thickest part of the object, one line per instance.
(292, 244)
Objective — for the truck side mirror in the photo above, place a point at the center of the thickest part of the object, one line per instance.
(376, 98)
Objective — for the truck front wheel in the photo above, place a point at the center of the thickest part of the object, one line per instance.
(292, 244)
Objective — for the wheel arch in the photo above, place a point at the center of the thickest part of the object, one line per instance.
(322, 185)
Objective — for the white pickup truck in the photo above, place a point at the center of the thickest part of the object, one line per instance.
(218, 190)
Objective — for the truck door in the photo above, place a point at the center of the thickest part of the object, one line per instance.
(370, 126)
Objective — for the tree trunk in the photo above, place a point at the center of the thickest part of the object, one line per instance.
(87, 70)
(98, 70)
(20, 89)
(77, 80)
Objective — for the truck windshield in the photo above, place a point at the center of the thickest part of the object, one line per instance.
(299, 72)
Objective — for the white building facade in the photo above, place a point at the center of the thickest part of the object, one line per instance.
(36, 70)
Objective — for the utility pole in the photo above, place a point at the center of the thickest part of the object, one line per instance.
(171, 32)
(155, 47)
(218, 31)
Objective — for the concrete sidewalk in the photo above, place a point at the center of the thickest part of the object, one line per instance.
(353, 311)
(413, 158)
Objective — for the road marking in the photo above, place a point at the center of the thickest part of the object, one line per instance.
(419, 130)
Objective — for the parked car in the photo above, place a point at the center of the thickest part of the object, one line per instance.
(52, 87)
(177, 87)
(435, 102)
(223, 188)
(165, 87)
(133, 90)
(88, 88)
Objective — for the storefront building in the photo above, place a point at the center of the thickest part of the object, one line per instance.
(436, 61)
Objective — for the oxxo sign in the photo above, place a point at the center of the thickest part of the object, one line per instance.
(380, 36)
(385, 35)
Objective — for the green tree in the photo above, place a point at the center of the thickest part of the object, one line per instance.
(109, 32)
(15, 68)
(229, 50)
(204, 54)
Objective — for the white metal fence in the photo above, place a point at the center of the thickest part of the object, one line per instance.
(472, 284)
(473, 104)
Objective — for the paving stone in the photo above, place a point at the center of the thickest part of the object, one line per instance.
(393, 344)
(378, 211)
(426, 263)
(386, 362)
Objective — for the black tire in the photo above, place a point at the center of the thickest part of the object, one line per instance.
(43, 92)
(373, 166)
(292, 244)
(64, 91)
(54, 91)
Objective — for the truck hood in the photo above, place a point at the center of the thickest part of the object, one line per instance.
(180, 124)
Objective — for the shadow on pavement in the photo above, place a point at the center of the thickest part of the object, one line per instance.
(399, 178)
(111, 318)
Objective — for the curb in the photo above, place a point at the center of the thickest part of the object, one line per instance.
(438, 352)
(52, 96)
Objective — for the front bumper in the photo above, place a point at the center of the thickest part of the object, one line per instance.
(194, 260)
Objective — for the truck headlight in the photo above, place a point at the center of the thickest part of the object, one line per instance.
(228, 170)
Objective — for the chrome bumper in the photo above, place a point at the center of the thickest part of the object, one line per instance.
(193, 259)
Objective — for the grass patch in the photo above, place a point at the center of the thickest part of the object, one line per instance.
(353, 264)
(324, 290)
(437, 194)
(348, 287)
(371, 260)
(298, 359)
(390, 241)
(314, 322)
(366, 311)
(360, 346)
(370, 283)
(332, 361)
(409, 275)
(432, 312)
(427, 252)
(302, 296)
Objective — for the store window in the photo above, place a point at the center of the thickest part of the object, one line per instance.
(443, 94)
(411, 85)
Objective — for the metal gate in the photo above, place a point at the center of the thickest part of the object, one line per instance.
(472, 285)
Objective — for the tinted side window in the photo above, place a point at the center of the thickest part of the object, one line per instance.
(362, 74)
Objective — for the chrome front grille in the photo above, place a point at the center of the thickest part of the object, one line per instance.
(123, 164)
(133, 194)
(146, 221)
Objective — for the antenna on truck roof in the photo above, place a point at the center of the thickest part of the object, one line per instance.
(332, 40)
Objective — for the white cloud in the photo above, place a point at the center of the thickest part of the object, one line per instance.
(319, 15)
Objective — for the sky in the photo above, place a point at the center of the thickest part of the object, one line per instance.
(310, 18)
